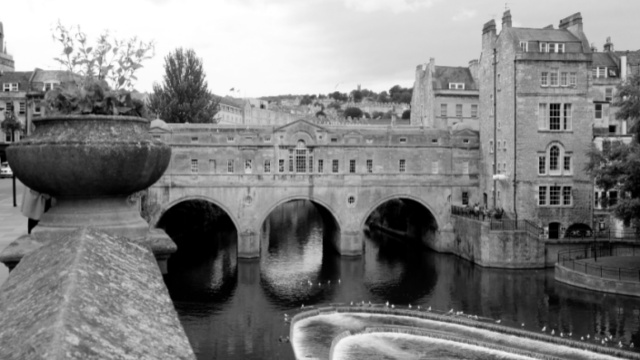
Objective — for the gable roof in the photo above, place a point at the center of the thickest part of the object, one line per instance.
(443, 75)
(551, 35)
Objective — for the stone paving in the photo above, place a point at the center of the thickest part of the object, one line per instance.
(12, 225)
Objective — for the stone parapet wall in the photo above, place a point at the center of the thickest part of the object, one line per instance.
(89, 296)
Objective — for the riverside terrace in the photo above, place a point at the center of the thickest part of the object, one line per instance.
(347, 171)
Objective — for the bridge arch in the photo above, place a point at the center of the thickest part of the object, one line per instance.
(175, 202)
(383, 200)
(263, 217)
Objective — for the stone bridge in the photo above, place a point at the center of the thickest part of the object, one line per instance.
(346, 171)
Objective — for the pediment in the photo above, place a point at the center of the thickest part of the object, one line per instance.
(300, 125)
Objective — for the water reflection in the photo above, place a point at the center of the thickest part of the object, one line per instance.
(234, 309)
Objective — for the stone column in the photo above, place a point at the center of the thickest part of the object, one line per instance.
(249, 244)
(350, 243)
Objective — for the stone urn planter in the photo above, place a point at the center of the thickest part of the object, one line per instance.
(91, 165)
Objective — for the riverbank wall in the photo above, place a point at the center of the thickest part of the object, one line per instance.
(474, 241)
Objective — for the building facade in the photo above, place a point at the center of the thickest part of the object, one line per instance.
(23, 94)
(445, 95)
(536, 123)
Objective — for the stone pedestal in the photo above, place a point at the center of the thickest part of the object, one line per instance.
(91, 164)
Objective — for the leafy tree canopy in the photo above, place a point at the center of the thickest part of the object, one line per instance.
(184, 95)
(353, 112)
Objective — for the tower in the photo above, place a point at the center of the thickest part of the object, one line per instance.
(6, 60)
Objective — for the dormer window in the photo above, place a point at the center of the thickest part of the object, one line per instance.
(49, 85)
(456, 86)
(10, 87)
(552, 47)
(524, 45)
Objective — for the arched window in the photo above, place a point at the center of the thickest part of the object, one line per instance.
(554, 154)
(301, 157)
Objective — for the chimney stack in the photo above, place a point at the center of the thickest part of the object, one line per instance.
(506, 19)
(608, 46)
(489, 27)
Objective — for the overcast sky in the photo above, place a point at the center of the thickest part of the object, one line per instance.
(270, 47)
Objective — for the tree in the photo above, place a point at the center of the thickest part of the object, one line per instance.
(383, 97)
(306, 100)
(338, 96)
(110, 59)
(617, 166)
(357, 96)
(627, 99)
(184, 95)
(401, 95)
(353, 112)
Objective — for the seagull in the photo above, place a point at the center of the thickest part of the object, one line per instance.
(429, 309)
(498, 321)
(522, 325)
(544, 328)
(393, 307)
(587, 336)
(553, 332)
(581, 338)
(451, 311)
(409, 306)
(561, 334)
(302, 307)
(387, 304)
(418, 307)
(329, 282)
(338, 281)
(631, 346)
(369, 303)
(351, 303)
(620, 344)
(570, 333)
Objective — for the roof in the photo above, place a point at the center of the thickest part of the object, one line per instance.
(57, 75)
(444, 75)
(633, 56)
(552, 35)
(231, 102)
(603, 59)
(15, 76)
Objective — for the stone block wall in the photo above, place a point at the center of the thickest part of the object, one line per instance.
(475, 242)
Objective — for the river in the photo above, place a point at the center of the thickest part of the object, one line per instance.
(234, 309)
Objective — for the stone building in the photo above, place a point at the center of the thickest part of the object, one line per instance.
(22, 93)
(608, 70)
(536, 122)
(445, 95)
(230, 111)
(6, 60)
